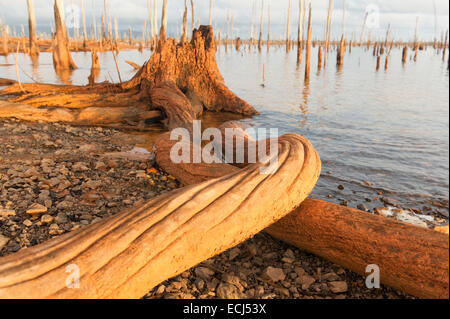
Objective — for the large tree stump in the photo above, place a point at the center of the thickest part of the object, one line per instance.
(181, 80)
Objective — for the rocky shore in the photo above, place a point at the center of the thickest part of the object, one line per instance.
(57, 178)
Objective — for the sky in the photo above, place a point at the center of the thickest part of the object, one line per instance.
(400, 14)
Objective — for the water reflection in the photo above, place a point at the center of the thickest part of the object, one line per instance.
(65, 75)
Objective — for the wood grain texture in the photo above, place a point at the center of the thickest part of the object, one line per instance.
(124, 256)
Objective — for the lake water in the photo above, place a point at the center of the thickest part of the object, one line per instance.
(376, 131)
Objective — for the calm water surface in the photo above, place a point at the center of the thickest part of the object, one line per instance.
(385, 131)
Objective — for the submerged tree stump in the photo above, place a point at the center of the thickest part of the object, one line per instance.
(187, 72)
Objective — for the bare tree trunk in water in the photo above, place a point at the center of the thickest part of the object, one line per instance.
(34, 50)
(308, 47)
(210, 12)
(300, 32)
(162, 32)
(261, 26)
(84, 24)
(193, 15)
(184, 27)
(62, 59)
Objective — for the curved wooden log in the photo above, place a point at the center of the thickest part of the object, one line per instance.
(86, 116)
(125, 255)
(411, 259)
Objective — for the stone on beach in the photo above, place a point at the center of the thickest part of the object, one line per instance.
(36, 209)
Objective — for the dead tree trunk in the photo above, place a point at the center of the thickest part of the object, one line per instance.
(300, 32)
(162, 32)
(83, 15)
(5, 38)
(210, 11)
(62, 59)
(184, 27)
(34, 50)
(341, 52)
(261, 26)
(308, 47)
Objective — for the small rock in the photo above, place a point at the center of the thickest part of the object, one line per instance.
(204, 273)
(362, 207)
(227, 291)
(274, 274)
(100, 166)
(338, 286)
(331, 276)
(3, 241)
(160, 290)
(54, 230)
(36, 209)
(341, 187)
(27, 222)
(234, 252)
(383, 211)
(7, 212)
(305, 281)
(46, 219)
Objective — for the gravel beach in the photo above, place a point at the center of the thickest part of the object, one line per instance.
(56, 178)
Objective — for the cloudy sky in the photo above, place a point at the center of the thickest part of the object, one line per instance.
(401, 14)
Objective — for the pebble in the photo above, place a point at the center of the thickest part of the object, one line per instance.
(305, 281)
(7, 212)
(3, 241)
(204, 273)
(338, 287)
(27, 222)
(227, 291)
(36, 209)
(274, 274)
(46, 219)
(362, 207)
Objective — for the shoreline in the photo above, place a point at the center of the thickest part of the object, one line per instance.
(68, 177)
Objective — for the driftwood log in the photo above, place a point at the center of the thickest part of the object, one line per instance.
(125, 255)
(411, 259)
(177, 76)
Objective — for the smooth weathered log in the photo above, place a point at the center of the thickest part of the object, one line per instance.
(412, 259)
(84, 116)
(125, 255)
